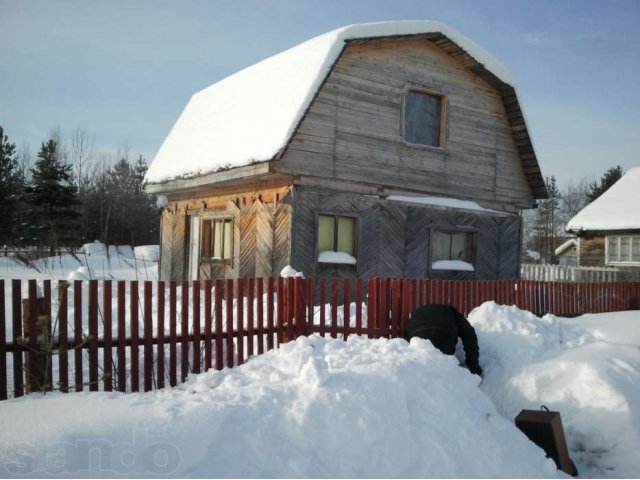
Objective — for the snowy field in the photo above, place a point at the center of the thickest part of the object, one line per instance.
(362, 408)
(93, 262)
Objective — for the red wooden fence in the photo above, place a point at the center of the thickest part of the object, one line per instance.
(116, 340)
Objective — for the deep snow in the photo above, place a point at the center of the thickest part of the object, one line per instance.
(376, 408)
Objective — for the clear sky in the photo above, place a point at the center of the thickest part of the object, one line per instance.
(126, 69)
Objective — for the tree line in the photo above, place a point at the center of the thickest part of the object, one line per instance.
(68, 195)
(544, 227)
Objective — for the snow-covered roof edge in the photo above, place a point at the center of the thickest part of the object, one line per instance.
(615, 209)
(188, 151)
(569, 243)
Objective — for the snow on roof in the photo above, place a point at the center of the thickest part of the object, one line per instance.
(615, 209)
(442, 202)
(569, 243)
(249, 116)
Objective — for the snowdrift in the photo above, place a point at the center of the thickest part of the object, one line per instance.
(315, 408)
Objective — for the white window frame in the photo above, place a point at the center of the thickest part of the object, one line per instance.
(608, 247)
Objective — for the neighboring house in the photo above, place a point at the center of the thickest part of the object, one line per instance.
(567, 253)
(608, 229)
(393, 149)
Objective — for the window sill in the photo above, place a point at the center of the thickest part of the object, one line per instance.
(420, 146)
(215, 261)
(623, 264)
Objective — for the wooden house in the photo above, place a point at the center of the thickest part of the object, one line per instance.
(608, 229)
(391, 149)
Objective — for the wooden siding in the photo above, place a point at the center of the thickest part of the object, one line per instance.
(393, 237)
(261, 236)
(591, 251)
(173, 243)
(352, 129)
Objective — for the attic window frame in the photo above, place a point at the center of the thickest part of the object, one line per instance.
(443, 116)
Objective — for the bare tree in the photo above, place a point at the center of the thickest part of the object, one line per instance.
(82, 151)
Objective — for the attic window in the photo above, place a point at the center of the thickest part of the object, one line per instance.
(424, 115)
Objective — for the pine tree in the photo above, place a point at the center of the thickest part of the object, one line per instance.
(52, 199)
(10, 191)
(609, 177)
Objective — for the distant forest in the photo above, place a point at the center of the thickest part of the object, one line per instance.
(69, 194)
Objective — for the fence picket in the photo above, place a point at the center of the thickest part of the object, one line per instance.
(323, 301)
(107, 335)
(184, 332)
(16, 308)
(334, 308)
(77, 333)
(346, 305)
(135, 336)
(122, 335)
(207, 325)
(280, 303)
(63, 337)
(173, 334)
(240, 321)
(148, 337)
(195, 327)
(228, 297)
(270, 324)
(93, 335)
(260, 314)
(250, 307)
(218, 325)
(161, 335)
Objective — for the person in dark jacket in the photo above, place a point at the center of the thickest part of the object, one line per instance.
(443, 324)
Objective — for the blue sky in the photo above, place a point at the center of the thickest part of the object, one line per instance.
(125, 69)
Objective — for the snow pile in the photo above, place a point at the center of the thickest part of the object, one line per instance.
(268, 100)
(442, 202)
(336, 257)
(315, 408)
(611, 210)
(458, 265)
(589, 372)
(147, 252)
(81, 273)
(290, 272)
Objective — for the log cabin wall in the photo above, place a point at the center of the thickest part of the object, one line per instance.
(352, 130)
(592, 249)
(261, 233)
(393, 237)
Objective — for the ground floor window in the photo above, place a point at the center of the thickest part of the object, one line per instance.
(623, 249)
(217, 240)
(452, 250)
(337, 239)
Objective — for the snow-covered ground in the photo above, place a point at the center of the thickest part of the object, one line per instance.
(361, 408)
(94, 261)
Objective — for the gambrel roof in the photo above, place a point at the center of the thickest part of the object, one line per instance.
(250, 116)
(615, 209)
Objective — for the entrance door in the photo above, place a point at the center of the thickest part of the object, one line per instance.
(194, 247)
